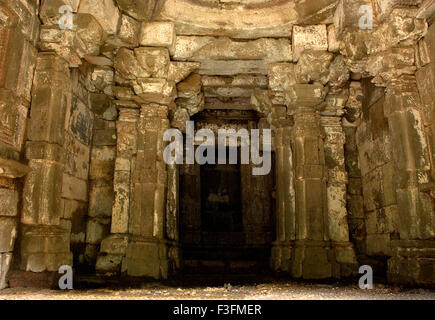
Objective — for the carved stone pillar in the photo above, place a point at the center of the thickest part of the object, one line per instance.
(285, 201)
(113, 248)
(412, 253)
(310, 258)
(44, 244)
(147, 250)
(337, 179)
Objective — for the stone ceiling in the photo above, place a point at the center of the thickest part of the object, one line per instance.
(245, 19)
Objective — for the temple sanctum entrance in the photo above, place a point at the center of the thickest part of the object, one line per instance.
(227, 215)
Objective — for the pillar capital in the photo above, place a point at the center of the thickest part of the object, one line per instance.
(302, 98)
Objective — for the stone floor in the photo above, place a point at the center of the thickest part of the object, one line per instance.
(277, 290)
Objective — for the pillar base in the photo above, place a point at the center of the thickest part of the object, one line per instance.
(138, 257)
(146, 258)
(314, 259)
(112, 253)
(412, 263)
(39, 280)
(45, 248)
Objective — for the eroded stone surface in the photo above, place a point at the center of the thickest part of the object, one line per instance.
(83, 112)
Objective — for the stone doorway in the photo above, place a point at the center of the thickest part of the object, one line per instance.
(227, 215)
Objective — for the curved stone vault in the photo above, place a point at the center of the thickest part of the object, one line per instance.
(87, 91)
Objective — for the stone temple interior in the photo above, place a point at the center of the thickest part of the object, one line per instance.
(89, 87)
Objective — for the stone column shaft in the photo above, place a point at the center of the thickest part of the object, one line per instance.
(311, 217)
(285, 192)
(45, 245)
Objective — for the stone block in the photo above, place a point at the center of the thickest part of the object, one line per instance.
(333, 43)
(309, 38)
(313, 66)
(101, 197)
(13, 121)
(337, 213)
(74, 188)
(228, 92)
(28, 22)
(305, 95)
(79, 121)
(193, 48)
(49, 12)
(105, 11)
(42, 192)
(154, 60)
(140, 10)
(40, 262)
(25, 71)
(90, 32)
(345, 254)
(190, 87)
(281, 76)
(426, 87)
(45, 151)
(129, 30)
(410, 151)
(109, 263)
(154, 91)
(145, 259)
(127, 138)
(106, 137)
(192, 105)
(379, 187)
(127, 65)
(378, 245)
(238, 81)
(382, 221)
(415, 214)
(8, 202)
(158, 34)
(355, 207)
(121, 204)
(114, 244)
(99, 103)
(232, 67)
(100, 78)
(8, 233)
(12, 169)
(78, 157)
(50, 240)
(142, 209)
(65, 43)
(179, 71)
(91, 254)
(50, 99)
(348, 15)
(96, 231)
(19, 58)
(339, 73)
(102, 162)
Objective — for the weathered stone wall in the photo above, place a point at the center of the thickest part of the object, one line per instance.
(392, 140)
(83, 111)
(18, 35)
